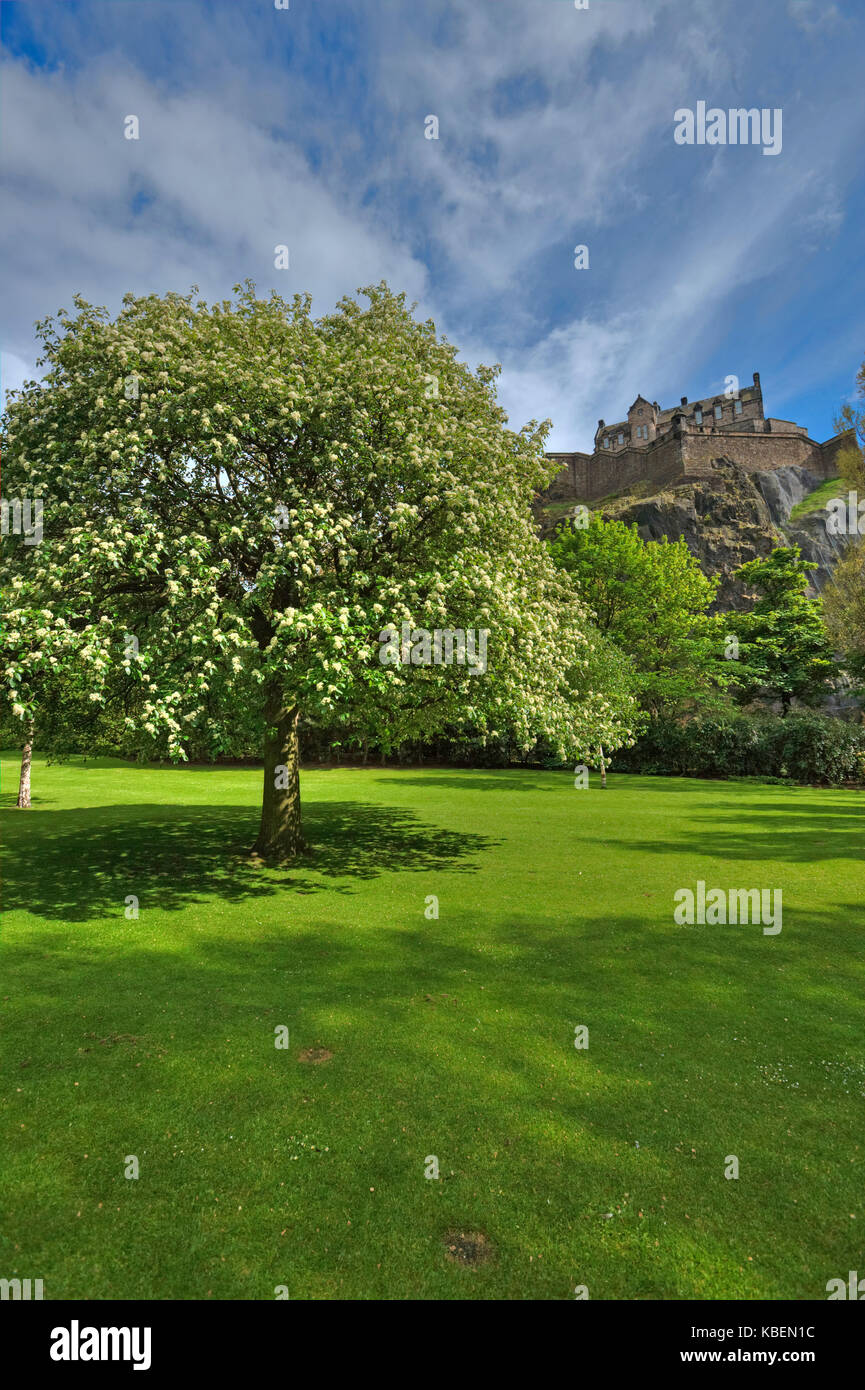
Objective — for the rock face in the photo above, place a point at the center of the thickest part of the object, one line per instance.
(785, 487)
(735, 516)
(781, 491)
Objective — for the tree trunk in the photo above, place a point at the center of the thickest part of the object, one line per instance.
(603, 767)
(279, 837)
(24, 783)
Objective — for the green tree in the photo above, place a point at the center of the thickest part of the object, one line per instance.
(784, 649)
(844, 608)
(259, 497)
(650, 598)
(851, 419)
(844, 595)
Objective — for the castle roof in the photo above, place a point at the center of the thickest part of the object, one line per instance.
(664, 417)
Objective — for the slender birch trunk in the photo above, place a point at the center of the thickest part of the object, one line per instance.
(26, 759)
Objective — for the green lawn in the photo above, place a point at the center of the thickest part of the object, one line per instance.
(451, 1037)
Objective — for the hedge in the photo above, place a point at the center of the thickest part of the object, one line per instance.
(804, 747)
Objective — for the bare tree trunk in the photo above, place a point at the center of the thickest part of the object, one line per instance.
(279, 837)
(603, 766)
(26, 758)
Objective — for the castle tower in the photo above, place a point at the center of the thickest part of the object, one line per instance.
(642, 421)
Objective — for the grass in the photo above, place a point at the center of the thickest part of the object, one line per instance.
(556, 511)
(450, 1037)
(817, 500)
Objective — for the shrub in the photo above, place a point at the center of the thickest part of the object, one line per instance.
(804, 747)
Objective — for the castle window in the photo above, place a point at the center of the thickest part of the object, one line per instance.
(607, 443)
(718, 412)
(621, 437)
(738, 406)
(698, 417)
(642, 431)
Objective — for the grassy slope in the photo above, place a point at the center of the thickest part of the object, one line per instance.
(817, 500)
(452, 1037)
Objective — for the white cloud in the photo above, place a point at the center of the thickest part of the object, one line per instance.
(221, 194)
(814, 15)
(14, 371)
(493, 207)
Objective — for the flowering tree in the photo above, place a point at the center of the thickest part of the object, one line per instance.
(54, 674)
(240, 501)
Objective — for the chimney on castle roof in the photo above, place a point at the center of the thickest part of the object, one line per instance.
(684, 400)
(600, 424)
(757, 379)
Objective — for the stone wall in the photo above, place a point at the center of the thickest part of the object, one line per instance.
(756, 452)
(687, 454)
(572, 483)
(832, 448)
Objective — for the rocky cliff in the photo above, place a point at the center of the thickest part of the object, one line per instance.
(732, 517)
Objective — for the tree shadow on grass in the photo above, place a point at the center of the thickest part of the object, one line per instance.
(492, 780)
(9, 800)
(82, 864)
(187, 1040)
(769, 833)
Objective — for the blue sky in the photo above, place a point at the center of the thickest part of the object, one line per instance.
(305, 127)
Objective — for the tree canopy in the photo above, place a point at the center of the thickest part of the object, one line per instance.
(255, 497)
(650, 598)
(844, 596)
(784, 649)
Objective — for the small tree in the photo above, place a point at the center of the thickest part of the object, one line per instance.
(844, 608)
(54, 677)
(259, 498)
(650, 599)
(851, 419)
(844, 595)
(784, 649)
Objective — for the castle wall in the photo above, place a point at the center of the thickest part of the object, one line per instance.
(611, 475)
(832, 448)
(573, 481)
(683, 451)
(667, 463)
(759, 453)
(687, 456)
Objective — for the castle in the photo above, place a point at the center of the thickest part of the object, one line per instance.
(665, 447)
